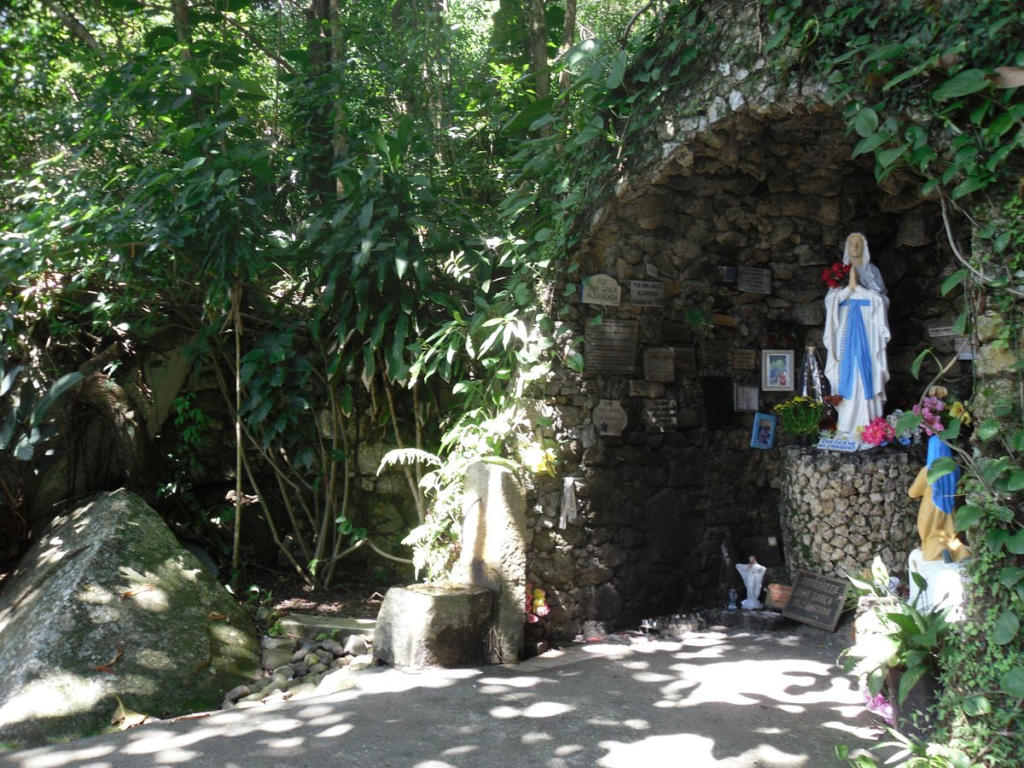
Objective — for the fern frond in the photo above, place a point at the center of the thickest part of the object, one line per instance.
(408, 456)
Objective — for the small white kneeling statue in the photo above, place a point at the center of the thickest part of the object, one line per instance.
(752, 576)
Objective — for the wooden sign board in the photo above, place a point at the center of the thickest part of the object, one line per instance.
(611, 346)
(817, 600)
(610, 418)
(685, 359)
(727, 321)
(744, 360)
(601, 289)
(659, 365)
(660, 415)
(754, 280)
(646, 293)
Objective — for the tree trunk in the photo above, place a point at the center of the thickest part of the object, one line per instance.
(568, 38)
(539, 49)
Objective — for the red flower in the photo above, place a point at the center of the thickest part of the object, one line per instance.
(835, 275)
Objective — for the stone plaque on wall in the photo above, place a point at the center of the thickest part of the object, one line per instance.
(646, 388)
(601, 289)
(744, 359)
(611, 346)
(659, 365)
(610, 418)
(646, 293)
(673, 330)
(714, 354)
(754, 280)
(660, 415)
(685, 359)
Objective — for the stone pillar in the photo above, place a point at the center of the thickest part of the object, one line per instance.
(839, 510)
(494, 552)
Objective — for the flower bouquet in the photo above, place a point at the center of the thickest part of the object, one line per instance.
(801, 415)
(878, 431)
(835, 275)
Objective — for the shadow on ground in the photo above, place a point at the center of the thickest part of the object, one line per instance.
(712, 699)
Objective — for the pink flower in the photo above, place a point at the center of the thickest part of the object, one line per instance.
(928, 410)
(531, 618)
(543, 610)
(878, 705)
(878, 432)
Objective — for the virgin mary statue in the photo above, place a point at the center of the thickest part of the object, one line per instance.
(856, 334)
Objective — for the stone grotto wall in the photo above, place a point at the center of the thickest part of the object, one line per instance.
(839, 510)
(764, 189)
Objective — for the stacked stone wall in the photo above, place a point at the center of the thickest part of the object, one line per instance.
(839, 510)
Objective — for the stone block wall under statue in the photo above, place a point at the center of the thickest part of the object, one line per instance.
(839, 510)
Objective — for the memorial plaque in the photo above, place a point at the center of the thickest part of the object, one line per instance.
(744, 360)
(672, 330)
(832, 444)
(646, 293)
(685, 359)
(754, 280)
(611, 346)
(817, 600)
(659, 365)
(746, 397)
(714, 354)
(660, 415)
(725, 320)
(646, 389)
(601, 289)
(609, 418)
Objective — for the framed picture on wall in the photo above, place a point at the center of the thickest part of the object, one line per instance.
(777, 370)
(763, 434)
(745, 397)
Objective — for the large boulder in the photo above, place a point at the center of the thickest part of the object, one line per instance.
(108, 603)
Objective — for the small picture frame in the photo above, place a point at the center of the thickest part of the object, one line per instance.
(777, 370)
(745, 397)
(763, 434)
(726, 274)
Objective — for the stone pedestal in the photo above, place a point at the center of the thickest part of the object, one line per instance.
(840, 510)
(434, 625)
(494, 552)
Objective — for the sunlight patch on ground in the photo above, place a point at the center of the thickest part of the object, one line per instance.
(568, 749)
(73, 757)
(463, 750)
(634, 724)
(335, 730)
(541, 709)
(291, 742)
(698, 751)
(536, 738)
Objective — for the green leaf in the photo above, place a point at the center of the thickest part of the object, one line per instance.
(526, 117)
(618, 71)
(871, 143)
(988, 429)
(1006, 627)
(62, 385)
(890, 156)
(908, 680)
(866, 122)
(908, 422)
(1015, 543)
(940, 468)
(8, 380)
(977, 705)
(1010, 575)
(996, 539)
(195, 162)
(1013, 682)
(7, 429)
(915, 367)
(953, 281)
(23, 450)
(966, 516)
(1016, 480)
(952, 432)
(968, 185)
(226, 177)
(962, 84)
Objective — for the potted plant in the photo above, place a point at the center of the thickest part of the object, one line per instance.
(800, 416)
(897, 653)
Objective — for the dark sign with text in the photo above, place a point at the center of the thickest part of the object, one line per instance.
(817, 600)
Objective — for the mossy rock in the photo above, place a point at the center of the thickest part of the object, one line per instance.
(108, 602)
